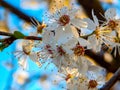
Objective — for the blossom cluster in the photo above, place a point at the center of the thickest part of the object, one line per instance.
(64, 42)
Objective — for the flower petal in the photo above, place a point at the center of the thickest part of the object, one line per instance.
(95, 18)
(23, 62)
(90, 24)
(63, 10)
(110, 13)
(47, 37)
(79, 23)
(83, 42)
(63, 34)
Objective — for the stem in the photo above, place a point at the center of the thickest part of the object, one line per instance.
(112, 81)
(98, 58)
(26, 37)
(15, 11)
(32, 38)
(88, 5)
(5, 33)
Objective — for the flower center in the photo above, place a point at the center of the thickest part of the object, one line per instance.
(78, 50)
(64, 19)
(92, 84)
(40, 28)
(60, 50)
(98, 32)
(68, 77)
(26, 50)
(48, 48)
(43, 78)
(116, 40)
(112, 24)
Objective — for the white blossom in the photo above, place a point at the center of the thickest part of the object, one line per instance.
(26, 53)
(62, 21)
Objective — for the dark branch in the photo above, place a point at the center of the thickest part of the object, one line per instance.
(15, 11)
(25, 37)
(100, 60)
(5, 33)
(88, 5)
(32, 38)
(112, 81)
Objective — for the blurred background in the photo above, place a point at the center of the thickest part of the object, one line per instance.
(14, 15)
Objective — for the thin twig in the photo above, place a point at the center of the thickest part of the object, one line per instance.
(112, 81)
(32, 38)
(5, 33)
(15, 11)
(88, 5)
(26, 37)
(98, 58)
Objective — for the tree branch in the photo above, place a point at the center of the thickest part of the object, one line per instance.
(5, 33)
(112, 81)
(88, 5)
(32, 38)
(15, 11)
(25, 37)
(98, 58)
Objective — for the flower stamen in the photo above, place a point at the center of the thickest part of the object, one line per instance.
(92, 84)
(64, 19)
(78, 50)
(112, 24)
(40, 28)
(68, 77)
(48, 48)
(60, 50)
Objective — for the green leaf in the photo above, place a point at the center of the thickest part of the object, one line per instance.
(18, 35)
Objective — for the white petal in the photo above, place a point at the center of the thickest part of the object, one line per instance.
(85, 31)
(72, 13)
(93, 41)
(83, 42)
(33, 56)
(95, 18)
(69, 45)
(63, 35)
(63, 10)
(83, 65)
(52, 26)
(23, 62)
(90, 24)
(113, 34)
(79, 23)
(56, 15)
(47, 37)
(75, 32)
(18, 53)
(110, 13)
(97, 70)
(98, 47)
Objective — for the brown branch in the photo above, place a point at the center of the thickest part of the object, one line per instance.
(15, 11)
(25, 37)
(88, 5)
(32, 38)
(112, 81)
(98, 58)
(5, 33)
